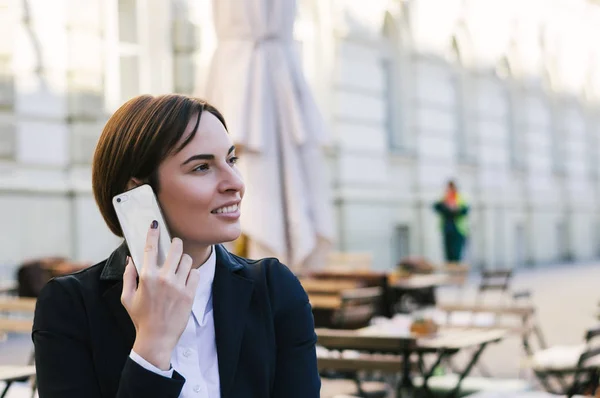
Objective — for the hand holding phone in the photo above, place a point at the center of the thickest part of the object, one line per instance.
(161, 303)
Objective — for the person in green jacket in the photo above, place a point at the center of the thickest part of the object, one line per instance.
(453, 211)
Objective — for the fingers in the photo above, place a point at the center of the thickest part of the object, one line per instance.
(185, 265)
(129, 283)
(192, 281)
(173, 257)
(151, 249)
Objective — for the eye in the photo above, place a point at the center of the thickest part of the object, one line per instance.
(202, 167)
(233, 159)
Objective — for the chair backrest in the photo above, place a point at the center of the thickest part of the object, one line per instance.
(498, 281)
(349, 260)
(495, 280)
(327, 286)
(458, 272)
(358, 306)
(592, 349)
(32, 276)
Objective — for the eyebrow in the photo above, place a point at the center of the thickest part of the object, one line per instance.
(205, 156)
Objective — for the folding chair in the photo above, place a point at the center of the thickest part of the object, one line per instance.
(512, 310)
(350, 360)
(351, 367)
(575, 369)
(357, 308)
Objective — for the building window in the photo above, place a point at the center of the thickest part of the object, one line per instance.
(391, 68)
(520, 258)
(563, 241)
(401, 242)
(591, 132)
(516, 141)
(464, 143)
(127, 72)
(597, 238)
(554, 125)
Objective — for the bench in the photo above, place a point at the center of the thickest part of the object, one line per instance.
(16, 316)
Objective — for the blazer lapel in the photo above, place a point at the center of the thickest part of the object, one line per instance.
(231, 297)
(113, 275)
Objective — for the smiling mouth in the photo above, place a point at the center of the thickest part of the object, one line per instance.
(226, 209)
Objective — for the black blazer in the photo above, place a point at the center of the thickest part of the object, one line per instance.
(263, 325)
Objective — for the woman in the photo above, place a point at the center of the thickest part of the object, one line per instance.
(204, 324)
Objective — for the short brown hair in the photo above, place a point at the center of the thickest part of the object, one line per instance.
(136, 139)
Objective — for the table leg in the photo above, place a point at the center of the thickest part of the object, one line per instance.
(405, 387)
(427, 375)
(464, 374)
(8, 383)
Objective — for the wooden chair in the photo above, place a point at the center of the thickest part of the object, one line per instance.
(346, 374)
(494, 289)
(494, 281)
(354, 372)
(570, 370)
(458, 272)
(17, 317)
(497, 305)
(362, 278)
(357, 308)
(327, 286)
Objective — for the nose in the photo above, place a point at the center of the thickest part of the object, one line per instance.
(231, 180)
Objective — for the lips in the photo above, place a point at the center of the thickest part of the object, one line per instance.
(227, 209)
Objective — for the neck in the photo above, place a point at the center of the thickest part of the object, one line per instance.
(198, 253)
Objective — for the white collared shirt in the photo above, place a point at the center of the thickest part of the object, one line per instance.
(195, 355)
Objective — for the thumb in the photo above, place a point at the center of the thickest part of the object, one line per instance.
(129, 282)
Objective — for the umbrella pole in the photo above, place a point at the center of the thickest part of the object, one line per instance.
(286, 224)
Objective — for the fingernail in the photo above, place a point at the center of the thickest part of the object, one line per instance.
(154, 224)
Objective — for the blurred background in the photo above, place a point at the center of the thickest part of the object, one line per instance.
(381, 102)
(498, 95)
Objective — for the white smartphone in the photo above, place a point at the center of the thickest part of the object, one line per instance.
(136, 209)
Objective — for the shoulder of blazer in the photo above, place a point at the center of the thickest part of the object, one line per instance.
(268, 268)
(283, 287)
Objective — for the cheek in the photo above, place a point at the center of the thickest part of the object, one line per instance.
(186, 197)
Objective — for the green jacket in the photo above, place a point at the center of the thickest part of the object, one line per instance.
(458, 216)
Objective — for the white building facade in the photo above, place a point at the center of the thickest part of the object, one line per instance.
(500, 95)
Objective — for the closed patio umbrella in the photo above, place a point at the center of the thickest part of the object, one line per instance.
(256, 80)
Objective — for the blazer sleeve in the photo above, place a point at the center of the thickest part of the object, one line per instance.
(296, 374)
(63, 353)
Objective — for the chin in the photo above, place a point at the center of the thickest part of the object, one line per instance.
(228, 234)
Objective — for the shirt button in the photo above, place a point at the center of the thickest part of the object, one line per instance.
(187, 353)
(196, 388)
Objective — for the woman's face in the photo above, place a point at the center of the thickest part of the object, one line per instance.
(200, 187)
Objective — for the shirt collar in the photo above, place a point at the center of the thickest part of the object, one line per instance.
(204, 290)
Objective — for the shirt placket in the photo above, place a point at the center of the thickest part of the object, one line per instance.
(188, 362)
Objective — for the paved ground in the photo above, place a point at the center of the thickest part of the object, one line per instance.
(566, 296)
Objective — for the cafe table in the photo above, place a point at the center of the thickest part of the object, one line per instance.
(393, 337)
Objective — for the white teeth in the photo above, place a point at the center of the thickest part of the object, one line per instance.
(227, 209)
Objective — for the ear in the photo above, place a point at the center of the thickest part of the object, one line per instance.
(133, 183)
